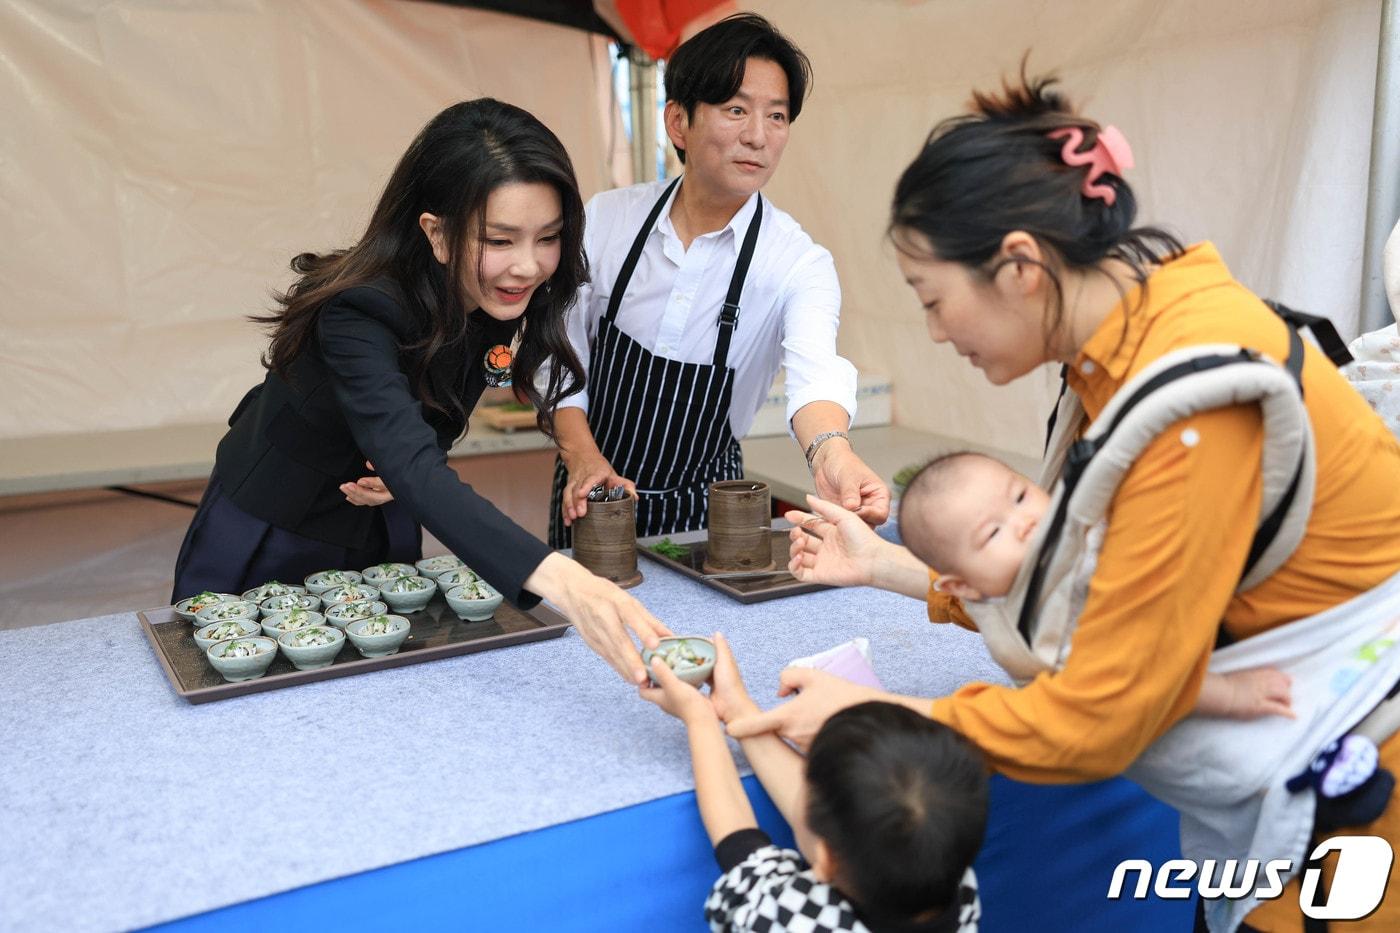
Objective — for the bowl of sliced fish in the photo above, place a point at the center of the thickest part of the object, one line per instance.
(318, 583)
(242, 659)
(312, 647)
(190, 605)
(432, 566)
(378, 636)
(408, 594)
(474, 602)
(691, 657)
(213, 633)
(342, 614)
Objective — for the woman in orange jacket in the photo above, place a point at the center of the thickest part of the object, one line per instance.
(1015, 229)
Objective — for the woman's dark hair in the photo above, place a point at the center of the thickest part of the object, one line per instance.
(708, 68)
(901, 801)
(464, 153)
(982, 175)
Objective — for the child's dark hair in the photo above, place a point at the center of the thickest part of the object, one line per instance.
(901, 801)
(708, 68)
(985, 174)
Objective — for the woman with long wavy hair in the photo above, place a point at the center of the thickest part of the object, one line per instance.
(378, 355)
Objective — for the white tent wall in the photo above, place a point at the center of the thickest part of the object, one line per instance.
(1250, 122)
(161, 163)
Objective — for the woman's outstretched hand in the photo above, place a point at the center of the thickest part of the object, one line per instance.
(367, 490)
(819, 697)
(832, 545)
(601, 611)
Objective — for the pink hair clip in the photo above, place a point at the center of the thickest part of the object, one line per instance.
(1110, 153)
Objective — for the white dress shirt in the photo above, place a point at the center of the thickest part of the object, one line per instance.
(789, 308)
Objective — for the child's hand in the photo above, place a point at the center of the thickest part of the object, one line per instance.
(1247, 694)
(728, 695)
(1262, 692)
(675, 696)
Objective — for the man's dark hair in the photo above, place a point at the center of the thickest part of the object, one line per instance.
(708, 68)
(901, 801)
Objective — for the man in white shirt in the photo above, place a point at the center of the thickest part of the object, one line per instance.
(701, 289)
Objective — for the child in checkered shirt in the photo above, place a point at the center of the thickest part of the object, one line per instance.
(889, 811)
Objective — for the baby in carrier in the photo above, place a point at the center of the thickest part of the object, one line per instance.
(970, 517)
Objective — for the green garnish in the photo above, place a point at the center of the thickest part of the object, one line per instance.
(668, 548)
(902, 478)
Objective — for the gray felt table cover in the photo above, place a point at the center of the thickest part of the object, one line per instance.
(107, 777)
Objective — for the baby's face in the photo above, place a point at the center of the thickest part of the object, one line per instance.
(988, 523)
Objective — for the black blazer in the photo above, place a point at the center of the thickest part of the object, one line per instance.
(347, 399)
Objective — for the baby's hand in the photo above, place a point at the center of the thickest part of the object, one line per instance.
(675, 696)
(728, 694)
(1261, 691)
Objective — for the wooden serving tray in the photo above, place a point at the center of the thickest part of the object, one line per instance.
(436, 633)
(744, 589)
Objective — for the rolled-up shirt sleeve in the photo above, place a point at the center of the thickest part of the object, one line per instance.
(387, 423)
(814, 371)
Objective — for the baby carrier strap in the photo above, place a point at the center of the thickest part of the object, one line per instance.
(1282, 506)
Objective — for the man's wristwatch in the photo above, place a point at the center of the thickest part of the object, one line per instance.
(818, 441)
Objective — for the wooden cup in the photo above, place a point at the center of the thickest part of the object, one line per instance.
(605, 541)
(740, 527)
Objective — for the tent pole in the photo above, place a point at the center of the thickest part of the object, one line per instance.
(643, 74)
(1383, 190)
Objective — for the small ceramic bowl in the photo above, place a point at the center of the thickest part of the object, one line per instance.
(242, 658)
(287, 602)
(280, 623)
(272, 588)
(408, 594)
(342, 614)
(364, 634)
(210, 635)
(690, 656)
(474, 608)
(318, 583)
(450, 578)
(349, 593)
(431, 567)
(380, 574)
(312, 647)
(222, 612)
(187, 607)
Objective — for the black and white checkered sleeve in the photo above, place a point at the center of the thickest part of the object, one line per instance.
(969, 903)
(773, 890)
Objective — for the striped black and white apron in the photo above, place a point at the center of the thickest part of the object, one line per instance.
(662, 423)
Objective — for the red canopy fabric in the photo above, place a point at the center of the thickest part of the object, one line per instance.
(658, 26)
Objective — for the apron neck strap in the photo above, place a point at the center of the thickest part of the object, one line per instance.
(635, 253)
(729, 313)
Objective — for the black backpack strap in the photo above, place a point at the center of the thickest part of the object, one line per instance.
(1055, 409)
(1321, 328)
